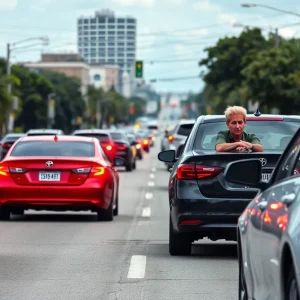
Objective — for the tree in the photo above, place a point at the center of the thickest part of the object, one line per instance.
(225, 62)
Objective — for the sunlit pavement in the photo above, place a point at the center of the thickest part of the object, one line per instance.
(70, 256)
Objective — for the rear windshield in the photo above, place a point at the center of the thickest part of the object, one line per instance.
(274, 135)
(45, 148)
(101, 137)
(11, 138)
(40, 133)
(185, 129)
(131, 138)
(152, 127)
(117, 136)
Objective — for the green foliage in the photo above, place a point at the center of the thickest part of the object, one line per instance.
(250, 67)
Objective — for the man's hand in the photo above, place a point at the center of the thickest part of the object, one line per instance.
(241, 148)
(245, 145)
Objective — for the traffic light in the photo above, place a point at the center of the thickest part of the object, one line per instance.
(139, 69)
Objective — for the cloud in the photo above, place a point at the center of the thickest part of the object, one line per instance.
(8, 4)
(207, 6)
(287, 33)
(41, 5)
(143, 3)
(228, 19)
(175, 2)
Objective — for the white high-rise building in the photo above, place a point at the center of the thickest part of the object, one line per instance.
(107, 39)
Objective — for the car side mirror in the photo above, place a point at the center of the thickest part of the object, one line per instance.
(167, 156)
(118, 161)
(246, 172)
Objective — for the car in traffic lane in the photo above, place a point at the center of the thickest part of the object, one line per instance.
(43, 131)
(268, 229)
(201, 203)
(58, 173)
(7, 141)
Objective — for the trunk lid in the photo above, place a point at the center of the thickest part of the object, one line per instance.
(49, 171)
(214, 185)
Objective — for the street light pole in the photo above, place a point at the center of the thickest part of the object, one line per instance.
(249, 5)
(10, 48)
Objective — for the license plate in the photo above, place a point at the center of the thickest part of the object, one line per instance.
(265, 177)
(47, 176)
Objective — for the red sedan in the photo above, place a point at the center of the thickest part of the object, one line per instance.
(58, 173)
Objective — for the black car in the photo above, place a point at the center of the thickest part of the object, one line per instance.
(105, 140)
(269, 228)
(202, 204)
(123, 148)
(7, 141)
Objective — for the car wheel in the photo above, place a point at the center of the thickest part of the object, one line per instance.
(18, 212)
(179, 244)
(291, 292)
(134, 165)
(116, 210)
(106, 214)
(243, 294)
(4, 214)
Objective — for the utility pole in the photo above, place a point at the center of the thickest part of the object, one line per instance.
(277, 38)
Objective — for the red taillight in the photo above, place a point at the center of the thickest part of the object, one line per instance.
(282, 222)
(4, 171)
(146, 142)
(190, 172)
(190, 222)
(108, 147)
(5, 145)
(98, 171)
(14, 170)
(264, 119)
(171, 138)
(277, 206)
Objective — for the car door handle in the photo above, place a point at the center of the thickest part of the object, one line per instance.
(262, 205)
(288, 199)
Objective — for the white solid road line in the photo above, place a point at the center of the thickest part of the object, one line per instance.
(137, 267)
(151, 183)
(152, 176)
(146, 212)
(148, 196)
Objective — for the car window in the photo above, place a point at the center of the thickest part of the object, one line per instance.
(117, 136)
(185, 129)
(274, 135)
(62, 148)
(100, 136)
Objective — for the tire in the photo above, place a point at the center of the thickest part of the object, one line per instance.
(106, 214)
(129, 167)
(4, 214)
(291, 291)
(179, 244)
(134, 165)
(116, 210)
(18, 212)
(243, 294)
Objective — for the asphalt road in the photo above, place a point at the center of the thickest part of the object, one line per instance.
(71, 256)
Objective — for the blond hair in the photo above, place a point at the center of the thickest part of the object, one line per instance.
(234, 110)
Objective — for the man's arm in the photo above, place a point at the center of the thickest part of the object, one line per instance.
(256, 144)
(222, 146)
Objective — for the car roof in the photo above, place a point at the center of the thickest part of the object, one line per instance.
(92, 130)
(14, 135)
(44, 130)
(183, 122)
(262, 117)
(49, 138)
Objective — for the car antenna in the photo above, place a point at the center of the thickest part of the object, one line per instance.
(257, 113)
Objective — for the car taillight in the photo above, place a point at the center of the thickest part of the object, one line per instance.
(108, 147)
(192, 172)
(81, 170)
(97, 171)
(145, 142)
(17, 170)
(171, 138)
(5, 145)
(4, 171)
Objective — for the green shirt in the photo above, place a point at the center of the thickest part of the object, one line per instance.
(226, 137)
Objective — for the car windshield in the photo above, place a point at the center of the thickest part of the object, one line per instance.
(62, 148)
(100, 136)
(274, 135)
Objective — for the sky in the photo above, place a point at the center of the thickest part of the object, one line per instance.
(171, 34)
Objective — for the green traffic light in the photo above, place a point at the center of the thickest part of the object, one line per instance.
(139, 69)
